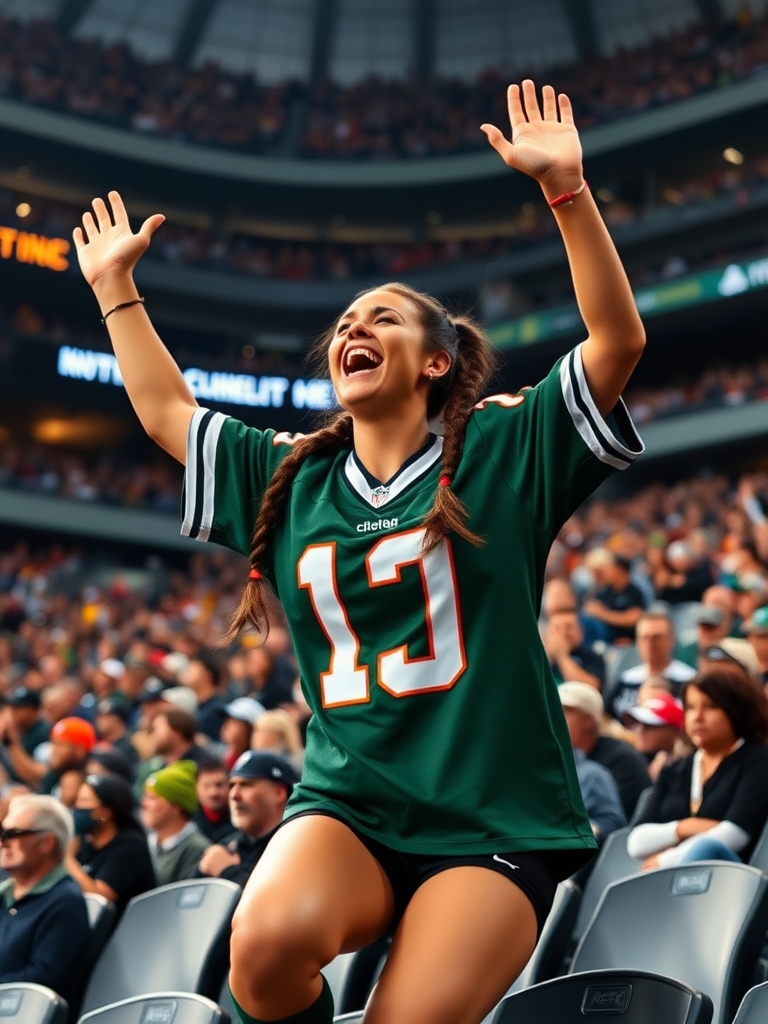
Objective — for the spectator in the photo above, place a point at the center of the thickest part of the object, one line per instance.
(212, 814)
(172, 733)
(259, 787)
(655, 644)
(109, 854)
(657, 725)
(569, 657)
(617, 602)
(43, 916)
(22, 709)
(203, 677)
(275, 732)
(241, 717)
(713, 623)
(756, 628)
(270, 677)
(109, 761)
(72, 740)
(175, 842)
(687, 576)
(584, 711)
(112, 716)
(714, 803)
(731, 655)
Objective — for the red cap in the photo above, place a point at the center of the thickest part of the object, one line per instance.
(661, 709)
(76, 731)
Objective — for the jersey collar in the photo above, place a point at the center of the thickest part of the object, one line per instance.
(373, 491)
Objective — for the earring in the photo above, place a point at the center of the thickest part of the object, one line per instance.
(431, 375)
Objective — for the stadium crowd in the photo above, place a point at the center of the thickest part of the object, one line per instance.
(136, 749)
(371, 120)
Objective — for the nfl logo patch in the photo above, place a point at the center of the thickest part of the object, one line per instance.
(379, 495)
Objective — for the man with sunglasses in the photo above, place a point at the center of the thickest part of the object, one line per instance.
(43, 916)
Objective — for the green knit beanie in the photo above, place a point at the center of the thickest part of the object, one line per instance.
(176, 784)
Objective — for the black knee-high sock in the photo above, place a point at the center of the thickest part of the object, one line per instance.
(320, 1012)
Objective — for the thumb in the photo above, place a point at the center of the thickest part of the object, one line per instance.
(503, 147)
(150, 226)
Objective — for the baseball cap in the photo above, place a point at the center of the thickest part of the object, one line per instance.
(245, 709)
(709, 615)
(257, 764)
(23, 697)
(582, 696)
(181, 697)
(661, 709)
(177, 784)
(756, 623)
(76, 731)
(114, 706)
(731, 648)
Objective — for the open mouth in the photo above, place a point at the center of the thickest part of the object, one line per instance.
(360, 360)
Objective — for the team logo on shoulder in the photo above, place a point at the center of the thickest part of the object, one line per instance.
(379, 495)
(507, 401)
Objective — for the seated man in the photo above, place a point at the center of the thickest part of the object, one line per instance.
(655, 639)
(657, 725)
(175, 842)
(43, 916)
(212, 814)
(259, 787)
(569, 656)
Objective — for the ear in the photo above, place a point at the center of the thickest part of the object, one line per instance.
(437, 365)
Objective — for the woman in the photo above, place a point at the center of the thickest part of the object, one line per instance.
(276, 732)
(109, 854)
(412, 567)
(713, 804)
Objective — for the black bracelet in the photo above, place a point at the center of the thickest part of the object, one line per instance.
(123, 305)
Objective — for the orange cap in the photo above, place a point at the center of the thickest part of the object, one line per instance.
(76, 731)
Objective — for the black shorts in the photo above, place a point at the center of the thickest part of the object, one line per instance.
(535, 872)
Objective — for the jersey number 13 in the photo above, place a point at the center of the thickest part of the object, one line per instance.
(346, 681)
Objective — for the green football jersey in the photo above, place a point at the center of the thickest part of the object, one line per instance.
(437, 726)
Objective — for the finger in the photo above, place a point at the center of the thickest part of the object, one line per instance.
(150, 226)
(91, 231)
(118, 209)
(515, 106)
(531, 101)
(102, 214)
(504, 148)
(566, 110)
(77, 235)
(549, 103)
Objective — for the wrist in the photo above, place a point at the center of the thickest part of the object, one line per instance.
(113, 288)
(560, 182)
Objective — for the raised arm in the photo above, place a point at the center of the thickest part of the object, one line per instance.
(546, 147)
(108, 251)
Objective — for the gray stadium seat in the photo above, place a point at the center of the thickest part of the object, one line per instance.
(623, 997)
(175, 937)
(702, 923)
(349, 1018)
(759, 858)
(754, 1006)
(611, 864)
(642, 801)
(102, 916)
(685, 619)
(159, 1008)
(26, 1003)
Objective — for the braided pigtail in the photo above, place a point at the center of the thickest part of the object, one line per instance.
(474, 365)
(252, 610)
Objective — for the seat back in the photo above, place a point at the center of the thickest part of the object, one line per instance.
(102, 916)
(26, 1003)
(555, 936)
(625, 997)
(702, 923)
(759, 858)
(159, 1008)
(175, 937)
(754, 1006)
(611, 864)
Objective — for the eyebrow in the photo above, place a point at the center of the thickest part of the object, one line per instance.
(373, 312)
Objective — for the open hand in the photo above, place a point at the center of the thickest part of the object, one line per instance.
(546, 147)
(104, 247)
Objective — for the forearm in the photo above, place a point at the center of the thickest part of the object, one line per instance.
(153, 381)
(573, 672)
(626, 618)
(24, 766)
(688, 827)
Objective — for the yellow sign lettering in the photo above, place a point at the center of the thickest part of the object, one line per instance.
(30, 248)
(7, 238)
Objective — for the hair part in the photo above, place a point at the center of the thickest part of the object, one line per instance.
(451, 397)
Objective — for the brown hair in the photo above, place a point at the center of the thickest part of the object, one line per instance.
(741, 698)
(180, 721)
(451, 396)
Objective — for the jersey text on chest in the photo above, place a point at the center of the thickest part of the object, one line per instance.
(372, 525)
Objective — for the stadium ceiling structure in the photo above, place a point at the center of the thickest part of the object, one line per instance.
(348, 40)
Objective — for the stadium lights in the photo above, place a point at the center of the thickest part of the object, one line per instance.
(23, 210)
(733, 156)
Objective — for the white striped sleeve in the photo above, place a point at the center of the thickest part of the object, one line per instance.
(198, 499)
(595, 432)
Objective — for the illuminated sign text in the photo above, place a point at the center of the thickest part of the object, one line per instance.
(25, 247)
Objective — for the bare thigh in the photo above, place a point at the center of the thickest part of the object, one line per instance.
(316, 892)
(464, 938)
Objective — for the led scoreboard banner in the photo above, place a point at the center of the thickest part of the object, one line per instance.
(26, 247)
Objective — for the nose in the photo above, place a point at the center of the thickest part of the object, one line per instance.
(358, 329)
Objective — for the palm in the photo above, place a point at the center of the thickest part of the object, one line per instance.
(545, 144)
(104, 247)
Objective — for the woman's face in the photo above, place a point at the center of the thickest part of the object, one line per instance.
(377, 358)
(707, 725)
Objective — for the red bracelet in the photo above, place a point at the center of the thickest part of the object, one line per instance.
(567, 197)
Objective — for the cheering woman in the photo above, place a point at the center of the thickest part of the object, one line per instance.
(407, 541)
